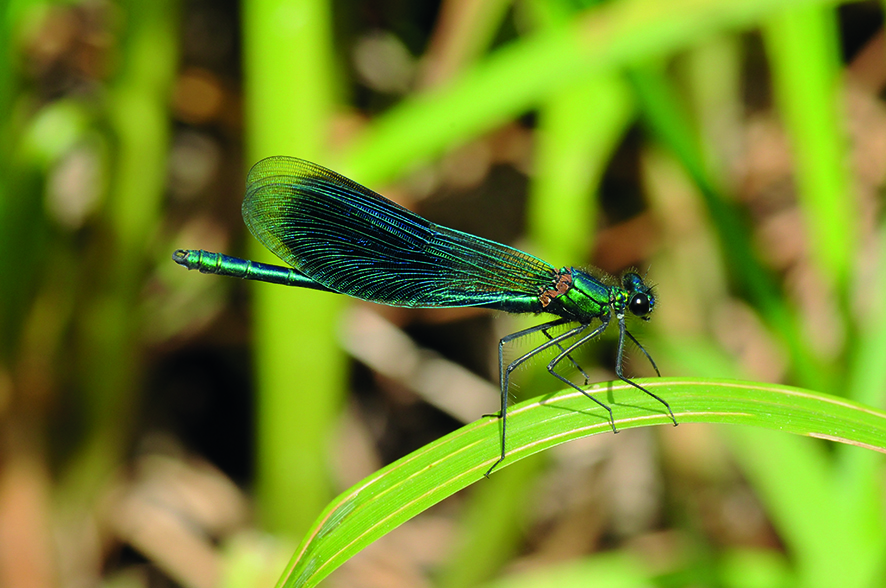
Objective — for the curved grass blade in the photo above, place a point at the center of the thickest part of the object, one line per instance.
(416, 482)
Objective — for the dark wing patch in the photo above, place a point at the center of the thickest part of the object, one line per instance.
(357, 242)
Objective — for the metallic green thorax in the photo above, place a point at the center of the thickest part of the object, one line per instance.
(580, 297)
(586, 298)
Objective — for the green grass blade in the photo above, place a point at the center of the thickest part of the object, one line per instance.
(492, 529)
(579, 129)
(661, 110)
(804, 54)
(609, 570)
(793, 480)
(405, 488)
(519, 76)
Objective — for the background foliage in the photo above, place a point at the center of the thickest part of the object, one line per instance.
(160, 427)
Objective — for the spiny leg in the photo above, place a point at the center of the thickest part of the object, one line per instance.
(618, 369)
(569, 357)
(513, 337)
(505, 372)
(565, 353)
(643, 349)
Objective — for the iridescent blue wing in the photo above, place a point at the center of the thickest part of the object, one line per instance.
(354, 241)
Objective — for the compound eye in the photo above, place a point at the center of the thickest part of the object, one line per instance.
(639, 305)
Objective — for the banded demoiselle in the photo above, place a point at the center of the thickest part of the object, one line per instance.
(339, 236)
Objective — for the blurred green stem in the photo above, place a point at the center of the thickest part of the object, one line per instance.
(670, 123)
(517, 77)
(804, 55)
(300, 369)
(109, 329)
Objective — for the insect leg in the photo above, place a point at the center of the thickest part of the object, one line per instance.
(505, 371)
(618, 369)
(501, 361)
(646, 353)
(604, 322)
(569, 357)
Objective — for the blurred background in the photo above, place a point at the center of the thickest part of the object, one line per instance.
(160, 427)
